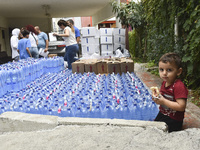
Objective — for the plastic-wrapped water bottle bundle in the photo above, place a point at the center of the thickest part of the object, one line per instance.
(14, 76)
(89, 95)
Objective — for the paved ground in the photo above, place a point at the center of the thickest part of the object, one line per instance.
(103, 136)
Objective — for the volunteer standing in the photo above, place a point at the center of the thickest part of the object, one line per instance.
(70, 41)
(14, 43)
(34, 41)
(43, 41)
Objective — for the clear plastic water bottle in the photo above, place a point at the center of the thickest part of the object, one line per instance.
(145, 112)
(119, 111)
(78, 112)
(69, 112)
(108, 112)
(9, 80)
(154, 110)
(96, 112)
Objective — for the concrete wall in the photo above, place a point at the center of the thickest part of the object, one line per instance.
(4, 36)
(102, 15)
(3, 22)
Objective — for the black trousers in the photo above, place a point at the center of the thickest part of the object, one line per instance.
(173, 125)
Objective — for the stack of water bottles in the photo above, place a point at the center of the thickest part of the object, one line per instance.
(15, 75)
(87, 95)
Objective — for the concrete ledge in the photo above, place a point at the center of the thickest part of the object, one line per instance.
(138, 123)
(114, 122)
(82, 121)
(16, 121)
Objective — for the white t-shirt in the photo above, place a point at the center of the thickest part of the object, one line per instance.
(71, 39)
(33, 39)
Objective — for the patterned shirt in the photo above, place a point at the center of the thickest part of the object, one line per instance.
(173, 92)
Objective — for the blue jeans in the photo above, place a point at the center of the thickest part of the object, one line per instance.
(34, 52)
(70, 54)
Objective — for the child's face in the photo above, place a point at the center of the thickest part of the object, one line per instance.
(169, 72)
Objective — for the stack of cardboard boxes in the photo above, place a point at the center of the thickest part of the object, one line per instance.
(90, 41)
(106, 40)
(110, 40)
(119, 38)
(103, 66)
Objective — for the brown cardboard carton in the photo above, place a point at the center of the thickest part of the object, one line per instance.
(102, 66)
(114, 66)
(90, 60)
(52, 55)
(127, 66)
(78, 67)
(91, 67)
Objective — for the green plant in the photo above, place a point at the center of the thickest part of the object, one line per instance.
(161, 17)
(154, 22)
(132, 43)
(132, 14)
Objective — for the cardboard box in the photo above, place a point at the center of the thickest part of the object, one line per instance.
(90, 60)
(107, 54)
(89, 41)
(91, 67)
(78, 67)
(106, 40)
(102, 67)
(52, 55)
(117, 45)
(90, 49)
(127, 65)
(106, 31)
(119, 39)
(106, 48)
(114, 67)
(119, 31)
(89, 31)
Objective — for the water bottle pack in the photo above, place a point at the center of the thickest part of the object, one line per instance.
(60, 92)
(14, 76)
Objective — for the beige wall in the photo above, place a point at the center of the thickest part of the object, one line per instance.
(3, 22)
(102, 15)
(43, 23)
(4, 41)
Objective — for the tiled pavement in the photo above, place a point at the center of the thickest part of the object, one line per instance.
(192, 114)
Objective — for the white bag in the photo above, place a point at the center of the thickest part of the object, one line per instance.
(42, 53)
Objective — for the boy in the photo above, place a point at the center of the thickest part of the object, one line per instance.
(173, 97)
(23, 46)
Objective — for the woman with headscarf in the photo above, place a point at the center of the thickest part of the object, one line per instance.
(34, 41)
(14, 43)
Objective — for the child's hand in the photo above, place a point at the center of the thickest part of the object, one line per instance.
(158, 100)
